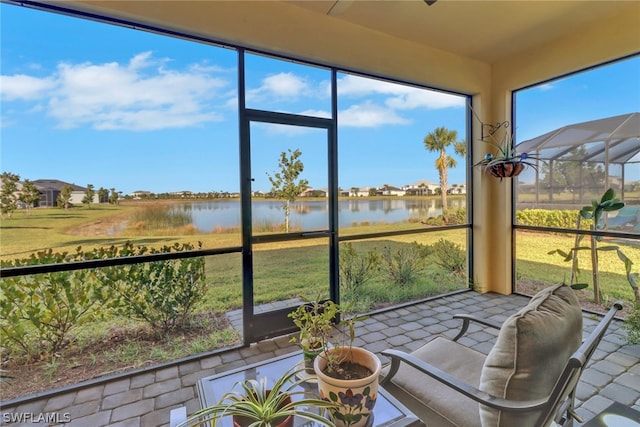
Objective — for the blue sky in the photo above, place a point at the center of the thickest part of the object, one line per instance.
(90, 103)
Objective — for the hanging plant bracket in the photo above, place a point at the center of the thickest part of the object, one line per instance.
(491, 129)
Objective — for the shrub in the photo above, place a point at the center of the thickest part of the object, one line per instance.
(403, 264)
(161, 293)
(356, 269)
(450, 256)
(548, 218)
(632, 325)
(458, 216)
(38, 312)
(450, 217)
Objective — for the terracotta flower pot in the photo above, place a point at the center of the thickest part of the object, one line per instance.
(506, 169)
(356, 398)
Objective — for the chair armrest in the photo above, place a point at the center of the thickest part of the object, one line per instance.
(460, 386)
(468, 318)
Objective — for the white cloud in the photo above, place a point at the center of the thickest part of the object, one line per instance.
(23, 87)
(400, 97)
(545, 87)
(418, 98)
(317, 113)
(278, 86)
(140, 95)
(287, 130)
(357, 86)
(369, 115)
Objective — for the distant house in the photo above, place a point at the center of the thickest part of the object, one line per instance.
(421, 188)
(184, 194)
(457, 189)
(141, 194)
(390, 190)
(50, 190)
(360, 191)
(311, 192)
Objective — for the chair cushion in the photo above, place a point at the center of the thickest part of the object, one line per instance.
(531, 350)
(434, 403)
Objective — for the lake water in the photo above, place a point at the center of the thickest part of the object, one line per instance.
(313, 214)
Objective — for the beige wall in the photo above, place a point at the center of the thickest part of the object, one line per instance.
(610, 39)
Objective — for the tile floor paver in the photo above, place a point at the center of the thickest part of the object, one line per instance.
(146, 398)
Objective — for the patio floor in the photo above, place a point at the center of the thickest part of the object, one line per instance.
(146, 398)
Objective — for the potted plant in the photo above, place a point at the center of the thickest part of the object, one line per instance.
(504, 161)
(347, 375)
(315, 321)
(258, 405)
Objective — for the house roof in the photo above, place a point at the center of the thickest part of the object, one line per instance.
(55, 184)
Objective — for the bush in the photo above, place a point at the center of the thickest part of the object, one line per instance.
(356, 269)
(403, 264)
(38, 312)
(549, 218)
(450, 217)
(632, 325)
(161, 293)
(450, 256)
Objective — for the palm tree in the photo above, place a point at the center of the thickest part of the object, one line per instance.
(438, 141)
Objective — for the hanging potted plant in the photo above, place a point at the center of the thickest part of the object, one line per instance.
(347, 376)
(258, 405)
(315, 321)
(504, 161)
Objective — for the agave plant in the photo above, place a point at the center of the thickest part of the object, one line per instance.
(261, 406)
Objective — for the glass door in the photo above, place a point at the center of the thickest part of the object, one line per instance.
(289, 233)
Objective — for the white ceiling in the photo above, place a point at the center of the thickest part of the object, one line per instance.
(487, 31)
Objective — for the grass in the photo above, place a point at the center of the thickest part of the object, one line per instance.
(65, 230)
(283, 270)
(533, 261)
(276, 264)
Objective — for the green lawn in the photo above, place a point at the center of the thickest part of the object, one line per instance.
(65, 230)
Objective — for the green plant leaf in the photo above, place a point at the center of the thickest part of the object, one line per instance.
(608, 195)
(608, 248)
(586, 212)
